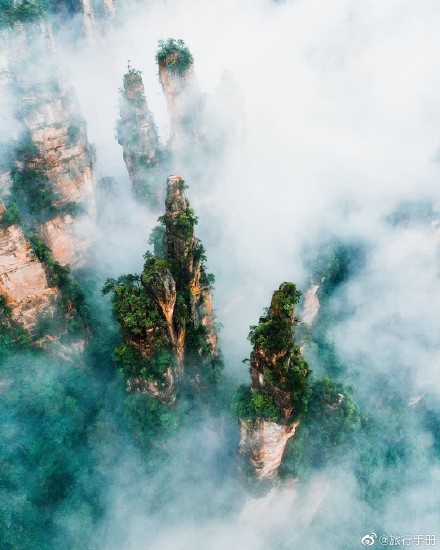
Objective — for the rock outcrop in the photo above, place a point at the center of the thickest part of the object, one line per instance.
(166, 314)
(182, 92)
(263, 444)
(137, 134)
(23, 281)
(54, 162)
(94, 14)
(269, 409)
(311, 305)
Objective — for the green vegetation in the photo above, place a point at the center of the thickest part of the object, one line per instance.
(148, 417)
(132, 77)
(12, 337)
(174, 55)
(150, 348)
(274, 330)
(26, 11)
(135, 310)
(74, 133)
(157, 241)
(384, 444)
(250, 405)
(33, 193)
(181, 226)
(11, 216)
(284, 369)
(31, 189)
(332, 266)
(73, 300)
(327, 430)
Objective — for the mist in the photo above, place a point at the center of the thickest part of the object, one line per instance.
(332, 134)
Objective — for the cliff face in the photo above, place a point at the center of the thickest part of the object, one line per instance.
(269, 409)
(23, 281)
(311, 305)
(263, 444)
(137, 134)
(182, 92)
(166, 314)
(94, 13)
(53, 176)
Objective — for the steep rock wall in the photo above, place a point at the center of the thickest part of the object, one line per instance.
(311, 305)
(269, 410)
(184, 99)
(263, 443)
(23, 280)
(137, 134)
(54, 144)
(94, 14)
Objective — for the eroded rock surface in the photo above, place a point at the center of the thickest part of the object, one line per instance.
(23, 280)
(264, 442)
(137, 134)
(270, 408)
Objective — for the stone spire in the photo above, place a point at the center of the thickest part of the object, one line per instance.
(269, 409)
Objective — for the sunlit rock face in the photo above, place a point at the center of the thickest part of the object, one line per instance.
(137, 134)
(270, 408)
(54, 144)
(311, 305)
(23, 281)
(184, 99)
(263, 443)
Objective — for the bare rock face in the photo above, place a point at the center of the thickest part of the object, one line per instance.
(62, 235)
(263, 442)
(311, 305)
(182, 92)
(269, 409)
(54, 155)
(137, 134)
(23, 280)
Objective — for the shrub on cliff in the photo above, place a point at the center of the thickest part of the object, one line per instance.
(174, 55)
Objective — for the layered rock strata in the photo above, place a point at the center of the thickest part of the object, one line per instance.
(23, 281)
(54, 161)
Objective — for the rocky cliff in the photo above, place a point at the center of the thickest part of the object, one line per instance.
(53, 178)
(269, 409)
(166, 313)
(182, 92)
(23, 281)
(94, 13)
(46, 186)
(137, 134)
(311, 305)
